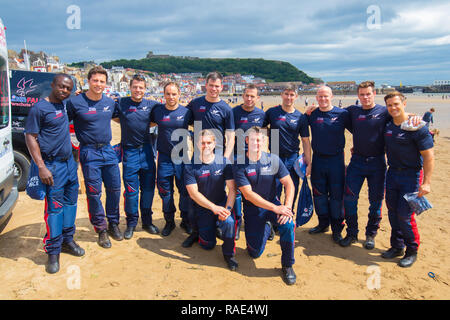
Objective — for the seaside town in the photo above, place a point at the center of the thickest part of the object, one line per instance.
(191, 84)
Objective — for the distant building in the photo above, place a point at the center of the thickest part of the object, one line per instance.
(441, 82)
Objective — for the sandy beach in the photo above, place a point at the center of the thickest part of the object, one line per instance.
(156, 267)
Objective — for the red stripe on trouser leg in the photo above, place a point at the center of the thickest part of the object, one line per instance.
(46, 224)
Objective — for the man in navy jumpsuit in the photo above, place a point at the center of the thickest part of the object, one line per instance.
(328, 124)
(245, 116)
(138, 158)
(48, 140)
(169, 117)
(368, 121)
(206, 178)
(256, 179)
(407, 153)
(211, 112)
(91, 113)
(290, 124)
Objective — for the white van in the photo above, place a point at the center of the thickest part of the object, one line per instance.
(8, 185)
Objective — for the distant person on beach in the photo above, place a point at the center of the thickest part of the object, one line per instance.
(328, 124)
(48, 141)
(256, 178)
(428, 117)
(246, 116)
(206, 181)
(407, 153)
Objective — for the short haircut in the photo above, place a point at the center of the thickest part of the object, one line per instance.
(96, 70)
(256, 130)
(290, 87)
(206, 133)
(172, 83)
(252, 86)
(394, 94)
(138, 77)
(61, 75)
(214, 76)
(366, 84)
(432, 110)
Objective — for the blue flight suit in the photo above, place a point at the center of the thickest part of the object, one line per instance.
(403, 176)
(99, 162)
(168, 170)
(367, 162)
(243, 120)
(290, 126)
(262, 176)
(216, 116)
(210, 179)
(138, 163)
(49, 121)
(328, 167)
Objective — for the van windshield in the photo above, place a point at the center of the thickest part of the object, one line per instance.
(4, 94)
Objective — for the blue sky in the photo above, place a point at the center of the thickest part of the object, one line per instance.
(332, 40)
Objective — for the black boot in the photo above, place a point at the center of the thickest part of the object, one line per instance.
(72, 248)
(114, 232)
(231, 262)
(103, 239)
(52, 265)
(392, 253)
(409, 259)
(318, 229)
(289, 276)
(337, 237)
(150, 228)
(186, 226)
(167, 230)
(369, 244)
(129, 231)
(193, 237)
(348, 240)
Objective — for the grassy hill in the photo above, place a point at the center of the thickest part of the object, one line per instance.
(272, 71)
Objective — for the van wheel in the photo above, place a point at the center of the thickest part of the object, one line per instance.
(21, 169)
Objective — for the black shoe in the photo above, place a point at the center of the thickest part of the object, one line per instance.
(72, 248)
(392, 253)
(231, 262)
(186, 226)
(167, 230)
(408, 260)
(348, 240)
(289, 276)
(219, 234)
(369, 244)
(193, 237)
(114, 232)
(318, 229)
(150, 228)
(52, 265)
(129, 231)
(272, 231)
(337, 238)
(103, 239)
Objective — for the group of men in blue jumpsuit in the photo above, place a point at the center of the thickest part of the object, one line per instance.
(202, 207)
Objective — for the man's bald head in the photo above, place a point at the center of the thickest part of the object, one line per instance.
(324, 96)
